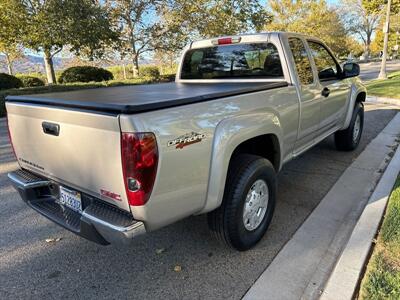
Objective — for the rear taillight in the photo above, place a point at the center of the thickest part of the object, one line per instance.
(9, 136)
(139, 164)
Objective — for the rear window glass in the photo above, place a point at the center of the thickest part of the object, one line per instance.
(257, 60)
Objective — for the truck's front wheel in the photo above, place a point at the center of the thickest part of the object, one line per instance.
(348, 139)
(248, 203)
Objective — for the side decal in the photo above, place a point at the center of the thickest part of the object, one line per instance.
(186, 140)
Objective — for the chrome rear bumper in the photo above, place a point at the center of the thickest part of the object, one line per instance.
(99, 222)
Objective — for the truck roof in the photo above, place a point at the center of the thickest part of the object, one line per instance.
(142, 98)
(248, 38)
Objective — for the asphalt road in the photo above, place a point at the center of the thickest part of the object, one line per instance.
(371, 71)
(74, 268)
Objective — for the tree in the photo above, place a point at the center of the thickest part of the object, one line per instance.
(210, 18)
(166, 60)
(12, 52)
(54, 24)
(12, 28)
(355, 48)
(139, 28)
(185, 20)
(394, 37)
(311, 17)
(377, 6)
(362, 19)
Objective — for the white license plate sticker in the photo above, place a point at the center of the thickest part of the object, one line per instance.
(71, 199)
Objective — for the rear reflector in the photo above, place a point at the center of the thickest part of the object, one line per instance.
(139, 155)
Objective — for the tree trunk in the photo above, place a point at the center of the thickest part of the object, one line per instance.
(368, 45)
(135, 65)
(124, 70)
(9, 64)
(48, 63)
(367, 51)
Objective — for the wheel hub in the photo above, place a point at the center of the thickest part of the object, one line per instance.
(255, 205)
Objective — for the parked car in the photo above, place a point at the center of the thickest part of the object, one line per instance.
(111, 163)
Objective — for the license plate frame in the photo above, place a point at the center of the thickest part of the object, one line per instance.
(71, 199)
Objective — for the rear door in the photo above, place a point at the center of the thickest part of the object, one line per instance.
(309, 92)
(79, 149)
(334, 90)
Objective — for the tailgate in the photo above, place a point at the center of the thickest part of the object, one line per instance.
(85, 156)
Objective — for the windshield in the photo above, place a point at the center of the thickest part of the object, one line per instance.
(257, 60)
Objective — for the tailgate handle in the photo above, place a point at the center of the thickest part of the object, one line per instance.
(51, 128)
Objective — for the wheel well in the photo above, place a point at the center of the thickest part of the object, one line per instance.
(361, 97)
(266, 146)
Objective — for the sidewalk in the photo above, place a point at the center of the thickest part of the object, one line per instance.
(383, 100)
(343, 281)
(303, 266)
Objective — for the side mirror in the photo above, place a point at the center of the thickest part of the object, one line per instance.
(350, 70)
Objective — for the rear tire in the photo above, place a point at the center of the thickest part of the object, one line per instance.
(248, 204)
(348, 139)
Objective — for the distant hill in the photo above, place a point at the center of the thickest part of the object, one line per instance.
(35, 64)
(31, 63)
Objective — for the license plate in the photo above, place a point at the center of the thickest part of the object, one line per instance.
(71, 199)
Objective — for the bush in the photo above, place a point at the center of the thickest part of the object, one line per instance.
(39, 75)
(149, 71)
(168, 77)
(30, 81)
(167, 69)
(9, 82)
(85, 74)
(118, 72)
(155, 73)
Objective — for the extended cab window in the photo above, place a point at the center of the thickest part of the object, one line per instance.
(256, 60)
(301, 60)
(325, 63)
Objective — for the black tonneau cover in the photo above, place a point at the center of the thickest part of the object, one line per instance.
(141, 98)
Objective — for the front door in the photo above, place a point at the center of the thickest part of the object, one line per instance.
(334, 91)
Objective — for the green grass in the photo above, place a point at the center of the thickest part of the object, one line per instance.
(71, 87)
(382, 277)
(389, 88)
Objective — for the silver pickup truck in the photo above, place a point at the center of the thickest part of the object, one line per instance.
(111, 163)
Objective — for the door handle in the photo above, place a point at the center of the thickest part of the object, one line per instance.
(51, 128)
(325, 92)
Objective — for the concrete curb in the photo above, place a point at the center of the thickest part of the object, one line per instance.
(304, 264)
(383, 100)
(343, 280)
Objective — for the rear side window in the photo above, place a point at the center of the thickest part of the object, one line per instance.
(257, 60)
(325, 63)
(301, 61)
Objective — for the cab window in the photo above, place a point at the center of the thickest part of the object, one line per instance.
(301, 61)
(254, 60)
(326, 65)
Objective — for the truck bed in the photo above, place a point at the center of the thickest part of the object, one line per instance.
(142, 98)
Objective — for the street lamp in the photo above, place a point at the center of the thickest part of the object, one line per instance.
(382, 73)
